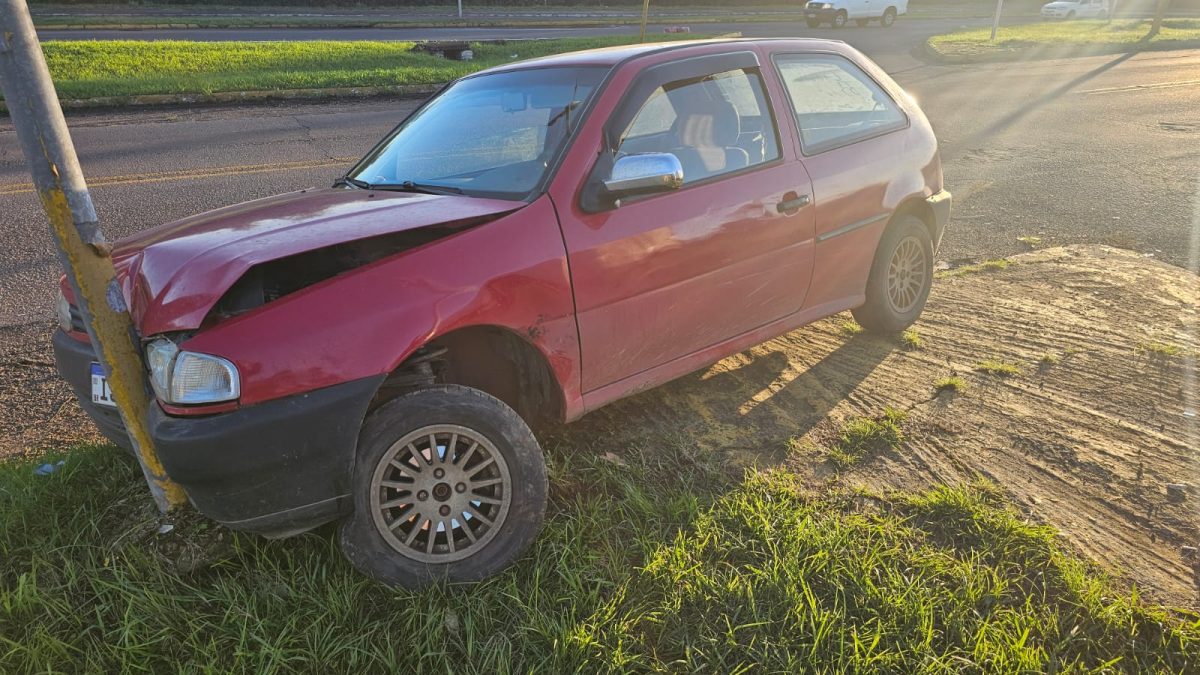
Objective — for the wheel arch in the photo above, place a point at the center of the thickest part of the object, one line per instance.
(491, 358)
(915, 205)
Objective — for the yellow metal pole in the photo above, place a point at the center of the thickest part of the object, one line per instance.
(645, 12)
(84, 253)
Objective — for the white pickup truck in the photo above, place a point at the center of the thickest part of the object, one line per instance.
(837, 12)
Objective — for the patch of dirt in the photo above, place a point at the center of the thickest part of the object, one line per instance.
(1086, 439)
(37, 409)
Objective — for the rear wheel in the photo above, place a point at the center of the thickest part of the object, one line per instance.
(813, 23)
(900, 279)
(449, 483)
(888, 18)
(839, 19)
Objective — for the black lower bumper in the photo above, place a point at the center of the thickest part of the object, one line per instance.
(939, 203)
(275, 468)
(74, 360)
(820, 14)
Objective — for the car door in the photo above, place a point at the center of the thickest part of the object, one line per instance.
(847, 124)
(666, 275)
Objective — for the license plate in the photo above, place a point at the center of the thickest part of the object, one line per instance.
(101, 394)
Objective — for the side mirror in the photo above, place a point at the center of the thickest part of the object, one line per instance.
(644, 173)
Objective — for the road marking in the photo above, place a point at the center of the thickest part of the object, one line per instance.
(193, 174)
(1138, 87)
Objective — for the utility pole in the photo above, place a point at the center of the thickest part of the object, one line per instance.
(82, 249)
(996, 19)
(645, 12)
(460, 9)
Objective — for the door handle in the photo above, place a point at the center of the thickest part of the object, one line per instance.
(792, 204)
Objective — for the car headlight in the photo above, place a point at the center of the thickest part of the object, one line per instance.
(64, 312)
(188, 378)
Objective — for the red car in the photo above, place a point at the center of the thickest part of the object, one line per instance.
(535, 241)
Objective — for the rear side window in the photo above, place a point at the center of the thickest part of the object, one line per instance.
(835, 102)
(716, 124)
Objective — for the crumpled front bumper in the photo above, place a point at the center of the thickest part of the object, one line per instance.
(275, 468)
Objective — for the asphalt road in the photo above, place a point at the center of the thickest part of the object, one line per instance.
(1099, 149)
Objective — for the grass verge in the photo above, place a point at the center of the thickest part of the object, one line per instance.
(661, 562)
(85, 69)
(1064, 38)
(101, 22)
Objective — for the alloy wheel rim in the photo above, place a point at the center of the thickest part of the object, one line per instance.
(440, 493)
(906, 275)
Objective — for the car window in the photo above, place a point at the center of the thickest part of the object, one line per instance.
(715, 125)
(492, 134)
(835, 102)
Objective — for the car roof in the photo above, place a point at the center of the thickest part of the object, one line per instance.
(611, 56)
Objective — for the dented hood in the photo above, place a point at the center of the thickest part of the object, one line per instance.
(173, 274)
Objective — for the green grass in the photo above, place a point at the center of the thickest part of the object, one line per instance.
(1157, 349)
(184, 21)
(998, 368)
(953, 384)
(668, 564)
(912, 339)
(1049, 359)
(85, 69)
(985, 266)
(849, 327)
(1057, 37)
(863, 436)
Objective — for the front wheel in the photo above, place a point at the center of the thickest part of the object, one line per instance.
(888, 18)
(900, 279)
(449, 483)
(839, 19)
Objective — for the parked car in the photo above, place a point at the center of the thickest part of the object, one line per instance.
(534, 242)
(837, 12)
(1076, 9)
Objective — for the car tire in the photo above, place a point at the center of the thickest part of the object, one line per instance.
(467, 457)
(862, 23)
(900, 278)
(813, 23)
(888, 18)
(839, 19)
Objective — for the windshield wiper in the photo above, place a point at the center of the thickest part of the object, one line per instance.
(406, 186)
(426, 188)
(346, 180)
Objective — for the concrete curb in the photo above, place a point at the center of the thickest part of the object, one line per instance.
(235, 97)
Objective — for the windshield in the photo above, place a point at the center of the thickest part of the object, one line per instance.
(490, 135)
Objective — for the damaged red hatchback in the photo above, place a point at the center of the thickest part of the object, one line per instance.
(534, 242)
